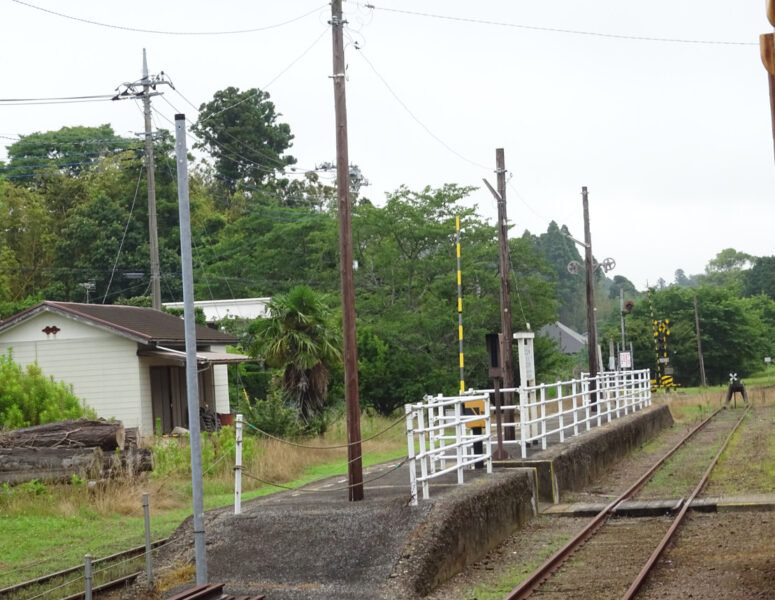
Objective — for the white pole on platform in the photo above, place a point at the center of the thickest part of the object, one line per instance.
(238, 468)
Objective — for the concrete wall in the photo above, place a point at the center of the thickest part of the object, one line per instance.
(465, 524)
(572, 465)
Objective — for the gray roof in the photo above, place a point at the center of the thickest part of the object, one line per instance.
(144, 325)
(570, 341)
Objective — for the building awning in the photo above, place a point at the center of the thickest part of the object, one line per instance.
(202, 358)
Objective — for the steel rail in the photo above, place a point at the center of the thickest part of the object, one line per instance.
(104, 587)
(636, 584)
(537, 577)
(137, 550)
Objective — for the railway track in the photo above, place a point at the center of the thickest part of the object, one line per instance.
(59, 585)
(655, 533)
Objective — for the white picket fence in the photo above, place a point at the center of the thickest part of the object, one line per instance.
(441, 436)
(446, 438)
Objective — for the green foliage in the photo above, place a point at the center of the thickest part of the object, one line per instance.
(69, 151)
(760, 279)
(249, 120)
(27, 397)
(33, 488)
(272, 415)
(300, 338)
(736, 332)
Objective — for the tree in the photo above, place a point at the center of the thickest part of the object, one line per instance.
(760, 279)
(67, 151)
(681, 278)
(240, 131)
(559, 250)
(726, 269)
(736, 332)
(299, 337)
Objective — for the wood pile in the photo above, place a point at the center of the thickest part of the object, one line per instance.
(57, 451)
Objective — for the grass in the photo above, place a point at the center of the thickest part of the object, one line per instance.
(506, 580)
(47, 527)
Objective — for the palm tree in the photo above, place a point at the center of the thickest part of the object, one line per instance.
(299, 337)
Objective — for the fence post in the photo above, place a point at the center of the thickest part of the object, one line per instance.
(410, 453)
(575, 408)
(543, 417)
(488, 432)
(422, 437)
(148, 550)
(561, 411)
(87, 577)
(459, 435)
(238, 467)
(524, 426)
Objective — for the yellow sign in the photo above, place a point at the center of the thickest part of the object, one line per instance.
(477, 408)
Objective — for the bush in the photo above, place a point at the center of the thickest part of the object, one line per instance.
(271, 415)
(27, 397)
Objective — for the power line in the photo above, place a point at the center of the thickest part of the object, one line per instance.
(617, 36)
(417, 120)
(47, 102)
(163, 32)
(97, 97)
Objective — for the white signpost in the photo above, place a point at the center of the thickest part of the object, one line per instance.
(527, 373)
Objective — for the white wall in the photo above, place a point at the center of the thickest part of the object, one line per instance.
(102, 368)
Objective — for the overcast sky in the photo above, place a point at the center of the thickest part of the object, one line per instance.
(671, 134)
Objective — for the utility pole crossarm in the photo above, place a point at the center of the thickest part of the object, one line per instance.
(492, 190)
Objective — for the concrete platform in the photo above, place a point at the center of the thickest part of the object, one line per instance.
(653, 508)
(313, 543)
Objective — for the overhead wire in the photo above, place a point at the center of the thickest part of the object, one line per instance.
(168, 32)
(123, 237)
(416, 118)
(618, 36)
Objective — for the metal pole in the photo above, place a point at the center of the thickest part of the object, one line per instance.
(354, 463)
(148, 549)
(703, 382)
(591, 325)
(87, 577)
(192, 387)
(621, 312)
(238, 468)
(153, 235)
(507, 360)
(460, 306)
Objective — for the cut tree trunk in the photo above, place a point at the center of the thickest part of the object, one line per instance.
(131, 438)
(18, 465)
(83, 433)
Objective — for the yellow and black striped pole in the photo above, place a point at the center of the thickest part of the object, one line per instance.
(459, 306)
(655, 331)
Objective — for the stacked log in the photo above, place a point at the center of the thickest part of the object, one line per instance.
(81, 433)
(57, 451)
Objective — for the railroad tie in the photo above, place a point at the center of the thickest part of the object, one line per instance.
(211, 591)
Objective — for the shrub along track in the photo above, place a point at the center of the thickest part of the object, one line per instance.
(605, 567)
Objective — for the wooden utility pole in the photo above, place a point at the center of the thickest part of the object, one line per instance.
(507, 360)
(703, 383)
(591, 321)
(767, 47)
(354, 463)
(149, 171)
(503, 261)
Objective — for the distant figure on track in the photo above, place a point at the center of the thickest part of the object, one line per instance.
(735, 385)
